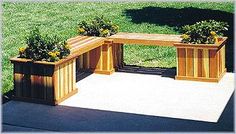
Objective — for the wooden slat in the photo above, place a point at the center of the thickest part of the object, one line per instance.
(62, 85)
(223, 58)
(81, 61)
(213, 64)
(81, 42)
(26, 84)
(99, 56)
(200, 63)
(78, 38)
(18, 79)
(52, 84)
(45, 84)
(145, 39)
(189, 62)
(104, 57)
(205, 71)
(70, 77)
(219, 60)
(111, 57)
(181, 67)
(92, 59)
(73, 75)
(84, 43)
(65, 73)
(86, 60)
(195, 65)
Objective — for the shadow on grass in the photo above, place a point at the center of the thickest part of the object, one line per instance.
(179, 17)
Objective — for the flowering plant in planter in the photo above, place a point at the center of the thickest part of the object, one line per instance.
(204, 32)
(44, 48)
(97, 27)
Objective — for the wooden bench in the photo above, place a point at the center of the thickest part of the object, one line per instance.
(202, 62)
(53, 82)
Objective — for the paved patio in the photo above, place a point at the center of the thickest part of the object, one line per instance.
(21, 116)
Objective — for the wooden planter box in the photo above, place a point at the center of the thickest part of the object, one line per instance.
(44, 82)
(201, 62)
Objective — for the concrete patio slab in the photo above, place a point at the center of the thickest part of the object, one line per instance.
(154, 95)
(121, 98)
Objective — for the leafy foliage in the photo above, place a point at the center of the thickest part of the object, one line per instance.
(204, 32)
(97, 27)
(44, 48)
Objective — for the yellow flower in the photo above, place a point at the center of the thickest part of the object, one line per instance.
(52, 54)
(67, 46)
(213, 33)
(49, 53)
(105, 32)
(184, 36)
(22, 49)
(81, 30)
(57, 53)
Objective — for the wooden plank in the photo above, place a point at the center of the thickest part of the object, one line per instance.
(86, 60)
(62, 85)
(195, 65)
(65, 73)
(81, 42)
(111, 57)
(223, 57)
(213, 64)
(121, 54)
(76, 39)
(45, 84)
(52, 83)
(145, 39)
(70, 77)
(26, 84)
(81, 61)
(200, 63)
(18, 79)
(189, 62)
(219, 58)
(92, 59)
(73, 75)
(104, 57)
(205, 71)
(99, 56)
(181, 67)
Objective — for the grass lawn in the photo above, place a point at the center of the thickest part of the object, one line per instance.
(145, 17)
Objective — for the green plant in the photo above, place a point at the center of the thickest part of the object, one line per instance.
(44, 48)
(204, 32)
(97, 27)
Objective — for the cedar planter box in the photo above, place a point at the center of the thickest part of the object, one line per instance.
(44, 82)
(201, 62)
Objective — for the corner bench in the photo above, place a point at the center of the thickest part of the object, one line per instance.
(53, 82)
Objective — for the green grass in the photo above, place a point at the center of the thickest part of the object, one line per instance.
(62, 19)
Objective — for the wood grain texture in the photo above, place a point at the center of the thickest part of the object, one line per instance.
(195, 65)
(181, 67)
(200, 63)
(105, 57)
(213, 64)
(145, 39)
(205, 71)
(189, 62)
